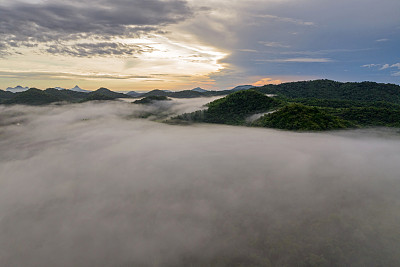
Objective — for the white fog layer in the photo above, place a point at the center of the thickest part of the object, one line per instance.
(94, 185)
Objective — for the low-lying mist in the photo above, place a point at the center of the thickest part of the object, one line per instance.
(95, 185)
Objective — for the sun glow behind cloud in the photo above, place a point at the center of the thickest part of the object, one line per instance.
(124, 47)
(149, 62)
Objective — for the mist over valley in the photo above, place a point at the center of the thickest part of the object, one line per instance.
(96, 184)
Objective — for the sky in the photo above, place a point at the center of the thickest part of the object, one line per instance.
(141, 45)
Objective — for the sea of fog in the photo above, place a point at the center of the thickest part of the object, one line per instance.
(95, 184)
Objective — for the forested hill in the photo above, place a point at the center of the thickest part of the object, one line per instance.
(232, 109)
(243, 107)
(327, 89)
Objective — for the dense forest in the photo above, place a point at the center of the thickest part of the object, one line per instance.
(310, 106)
(327, 89)
(302, 118)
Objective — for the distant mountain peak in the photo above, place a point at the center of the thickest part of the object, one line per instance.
(103, 89)
(134, 94)
(17, 89)
(199, 89)
(78, 89)
(242, 87)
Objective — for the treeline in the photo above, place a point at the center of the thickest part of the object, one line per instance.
(327, 89)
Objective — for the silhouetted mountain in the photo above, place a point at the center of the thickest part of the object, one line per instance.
(242, 87)
(4, 95)
(17, 89)
(134, 94)
(66, 95)
(33, 96)
(186, 94)
(78, 89)
(156, 92)
(109, 93)
(198, 89)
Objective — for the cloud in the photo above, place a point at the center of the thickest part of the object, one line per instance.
(397, 65)
(370, 65)
(288, 20)
(386, 66)
(66, 75)
(31, 23)
(274, 44)
(298, 60)
(98, 49)
(382, 40)
(93, 185)
(265, 81)
(248, 50)
(323, 52)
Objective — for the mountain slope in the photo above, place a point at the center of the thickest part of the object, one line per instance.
(301, 118)
(232, 109)
(242, 87)
(156, 92)
(5, 95)
(199, 89)
(66, 95)
(371, 116)
(78, 89)
(33, 97)
(17, 89)
(151, 99)
(186, 94)
(134, 94)
(108, 93)
(96, 97)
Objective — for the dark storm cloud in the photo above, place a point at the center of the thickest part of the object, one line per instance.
(26, 23)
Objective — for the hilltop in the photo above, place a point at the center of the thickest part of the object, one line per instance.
(151, 99)
(233, 109)
(108, 93)
(301, 118)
